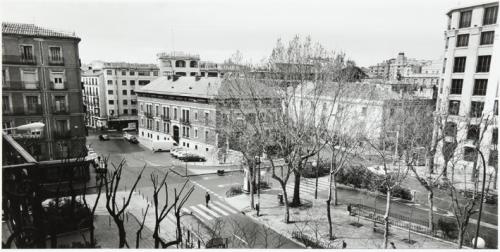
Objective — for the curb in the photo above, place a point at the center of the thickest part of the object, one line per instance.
(200, 174)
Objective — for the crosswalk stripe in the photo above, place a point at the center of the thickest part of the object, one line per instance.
(218, 210)
(204, 208)
(171, 217)
(203, 214)
(225, 207)
(302, 188)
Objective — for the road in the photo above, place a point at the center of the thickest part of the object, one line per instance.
(241, 230)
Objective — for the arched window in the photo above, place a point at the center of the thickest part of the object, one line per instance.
(180, 63)
(193, 64)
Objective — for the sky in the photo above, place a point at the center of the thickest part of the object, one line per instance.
(368, 31)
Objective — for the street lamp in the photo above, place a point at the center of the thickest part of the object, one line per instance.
(477, 240)
(314, 165)
(29, 126)
(257, 162)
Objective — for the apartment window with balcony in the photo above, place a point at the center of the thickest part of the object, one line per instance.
(476, 109)
(180, 63)
(110, 92)
(494, 136)
(483, 64)
(33, 104)
(132, 82)
(27, 53)
(133, 102)
(157, 126)
(487, 37)
(111, 102)
(470, 154)
(473, 132)
(57, 79)
(60, 104)
(125, 102)
(456, 86)
(490, 15)
(132, 73)
(493, 158)
(6, 107)
(132, 92)
(109, 72)
(495, 107)
(462, 40)
(450, 129)
(480, 86)
(157, 110)
(111, 112)
(465, 18)
(124, 72)
(124, 92)
(134, 111)
(125, 111)
(124, 82)
(55, 54)
(459, 65)
(110, 82)
(453, 107)
(444, 64)
(175, 113)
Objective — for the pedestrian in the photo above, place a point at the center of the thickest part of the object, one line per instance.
(344, 244)
(349, 209)
(207, 198)
(392, 245)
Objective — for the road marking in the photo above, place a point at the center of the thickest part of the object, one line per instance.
(224, 185)
(225, 207)
(239, 238)
(204, 208)
(218, 210)
(203, 214)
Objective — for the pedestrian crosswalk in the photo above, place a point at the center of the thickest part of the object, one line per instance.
(308, 185)
(215, 209)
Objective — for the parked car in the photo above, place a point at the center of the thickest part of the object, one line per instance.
(176, 151)
(127, 136)
(163, 145)
(103, 137)
(377, 169)
(91, 156)
(133, 140)
(190, 157)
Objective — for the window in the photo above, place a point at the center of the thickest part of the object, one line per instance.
(29, 78)
(476, 109)
(206, 117)
(495, 107)
(125, 111)
(57, 79)
(5, 104)
(124, 92)
(143, 82)
(155, 73)
(109, 72)
(193, 64)
(454, 107)
(465, 18)
(124, 72)
(143, 73)
(473, 132)
(493, 159)
(133, 102)
(459, 65)
(494, 136)
(206, 135)
(480, 86)
(124, 82)
(490, 15)
(125, 102)
(59, 103)
(27, 53)
(111, 112)
(470, 154)
(196, 133)
(110, 92)
(134, 111)
(450, 129)
(32, 104)
(483, 64)
(192, 74)
(456, 86)
(175, 113)
(462, 40)
(55, 54)
(444, 64)
(487, 37)
(110, 82)
(132, 92)
(132, 72)
(180, 63)
(364, 110)
(142, 107)
(111, 102)
(132, 82)
(168, 128)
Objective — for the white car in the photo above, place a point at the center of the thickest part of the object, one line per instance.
(91, 156)
(182, 154)
(127, 136)
(377, 169)
(177, 152)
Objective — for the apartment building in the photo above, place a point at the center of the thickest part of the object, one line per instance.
(397, 68)
(114, 100)
(469, 85)
(41, 83)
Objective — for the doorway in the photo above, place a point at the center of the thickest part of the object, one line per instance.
(176, 133)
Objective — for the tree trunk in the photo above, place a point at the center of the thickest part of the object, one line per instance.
(285, 200)
(296, 189)
(445, 170)
(460, 239)
(335, 198)
(92, 236)
(156, 236)
(386, 218)
(328, 211)
(121, 233)
(430, 198)
(252, 186)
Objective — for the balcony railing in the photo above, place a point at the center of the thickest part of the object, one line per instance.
(19, 59)
(63, 134)
(60, 110)
(185, 122)
(148, 114)
(165, 118)
(32, 110)
(56, 62)
(21, 85)
(58, 86)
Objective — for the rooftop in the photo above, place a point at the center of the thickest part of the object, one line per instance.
(471, 5)
(34, 31)
(178, 55)
(204, 87)
(121, 65)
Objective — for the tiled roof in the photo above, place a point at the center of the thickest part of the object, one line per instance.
(33, 30)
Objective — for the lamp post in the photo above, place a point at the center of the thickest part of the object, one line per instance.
(314, 165)
(29, 126)
(482, 199)
(257, 162)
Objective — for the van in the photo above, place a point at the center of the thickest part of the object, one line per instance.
(163, 145)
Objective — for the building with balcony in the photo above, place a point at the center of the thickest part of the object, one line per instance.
(468, 92)
(109, 92)
(41, 82)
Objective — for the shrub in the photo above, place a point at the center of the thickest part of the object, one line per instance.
(234, 190)
(310, 172)
(448, 227)
(265, 185)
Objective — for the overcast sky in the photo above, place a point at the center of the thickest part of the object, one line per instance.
(369, 31)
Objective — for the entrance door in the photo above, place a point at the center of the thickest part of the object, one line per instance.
(176, 133)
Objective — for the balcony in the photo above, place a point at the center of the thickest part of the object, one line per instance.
(148, 114)
(56, 62)
(32, 110)
(19, 59)
(165, 118)
(60, 110)
(58, 86)
(185, 122)
(21, 85)
(61, 134)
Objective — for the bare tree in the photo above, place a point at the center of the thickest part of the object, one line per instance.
(138, 234)
(116, 209)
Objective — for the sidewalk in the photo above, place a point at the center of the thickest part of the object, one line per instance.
(313, 222)
(196, 170)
